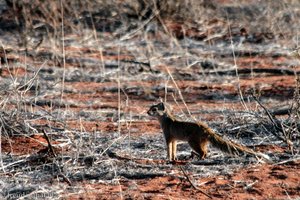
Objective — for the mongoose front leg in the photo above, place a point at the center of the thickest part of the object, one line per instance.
(169, 150)
(174, 149)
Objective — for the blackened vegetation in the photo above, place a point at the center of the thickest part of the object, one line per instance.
(80, 117)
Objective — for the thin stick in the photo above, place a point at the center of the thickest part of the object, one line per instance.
(65, 179)
(271, 117)
(49, 143)
(288, 161)
(121, 138)
(166, 89)
(6, 63)
(236, 68)
(63, 52)
(1, 159)
(30, 81)
(119, 93)
(97, 41)
(137, 62)
(13, 164)
(180, 94)
(192, 184)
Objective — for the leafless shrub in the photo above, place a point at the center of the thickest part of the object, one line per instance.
(293, 125)
(12, 124)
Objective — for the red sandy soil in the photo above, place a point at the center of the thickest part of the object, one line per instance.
(260, 181)
(253, 182)
(20, 145)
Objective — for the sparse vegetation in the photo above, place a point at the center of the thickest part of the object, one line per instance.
(76, 79)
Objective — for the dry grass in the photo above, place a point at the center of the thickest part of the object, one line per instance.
(132, 52)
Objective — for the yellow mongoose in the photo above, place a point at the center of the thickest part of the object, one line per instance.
(198, 135)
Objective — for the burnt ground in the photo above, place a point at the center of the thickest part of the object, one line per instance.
(91, 100)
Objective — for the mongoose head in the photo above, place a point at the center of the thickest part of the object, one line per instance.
(157, 110)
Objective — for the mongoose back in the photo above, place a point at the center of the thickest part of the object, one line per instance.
(198, 135)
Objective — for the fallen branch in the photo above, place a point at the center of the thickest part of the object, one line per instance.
(208, 163)
(192, 184)
(112, 154)
(141, 175)
(16, 163)
(136, 62)
(255, 70)
(282, 111)
(289, 161)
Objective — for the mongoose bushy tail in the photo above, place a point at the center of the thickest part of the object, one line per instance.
(229, 146)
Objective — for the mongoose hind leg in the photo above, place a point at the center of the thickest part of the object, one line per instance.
(200, 148)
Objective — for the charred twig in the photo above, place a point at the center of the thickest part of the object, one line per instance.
(232, 72)
(208, 162)
(65, 178)
(136, 62)
(112, 154)
(50, 147)
(140, 175)
(282, 111)
(137, 161)
(192, 184)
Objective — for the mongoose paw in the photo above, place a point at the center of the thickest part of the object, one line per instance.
(194, 154)
(171, 162)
